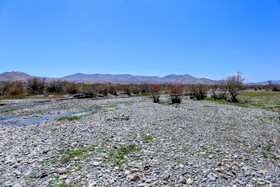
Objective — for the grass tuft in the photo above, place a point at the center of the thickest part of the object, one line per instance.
(70, 118)
(149, 138)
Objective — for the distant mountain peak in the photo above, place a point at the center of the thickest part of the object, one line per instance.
(14, 76)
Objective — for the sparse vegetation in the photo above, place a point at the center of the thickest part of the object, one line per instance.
(70, 118)
(199, 91)
(155, 93)
(117, 155)
(10, 89)
(8, 111)
(218, 92)
(176, 93)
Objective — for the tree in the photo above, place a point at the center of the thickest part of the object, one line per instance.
(234, 85)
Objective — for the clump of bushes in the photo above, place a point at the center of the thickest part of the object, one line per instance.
(56, 87)
(176, 93)
(36, 85)
(12, 89)
(274, 87)
(72, 88)
(155, 93)
(199, 91)
(88, 90)
(218, 92)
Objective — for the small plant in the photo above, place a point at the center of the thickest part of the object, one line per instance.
(148, 138)
(7, 111)
(64, 184)
(204, 149)
(30, 175)
(66, 155)
(117, 155)
(70, 118)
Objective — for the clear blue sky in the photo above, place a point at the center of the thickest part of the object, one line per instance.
(202, 38)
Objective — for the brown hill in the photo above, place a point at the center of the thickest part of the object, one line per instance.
(14, 76)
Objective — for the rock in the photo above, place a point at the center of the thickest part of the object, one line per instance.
(96, 163)
(189, 181)
(183, 181)
(149, 180)
(62, 171)
(262, 172)
(142, 185)
(134, 177)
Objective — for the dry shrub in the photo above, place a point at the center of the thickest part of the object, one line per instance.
(56, 86)
(72, 88)
(127, 90)
(11, 89)
(176, 93)
(36, 85)
(218, 92)
(113, 89)
(4, 87)
(88, 90)
(155, 93)
(273, 87)
(144, 88)
(199, 91)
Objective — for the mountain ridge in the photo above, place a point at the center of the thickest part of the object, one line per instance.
(123, 78)
(137, 79)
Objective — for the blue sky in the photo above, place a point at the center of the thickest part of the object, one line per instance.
(202, 38)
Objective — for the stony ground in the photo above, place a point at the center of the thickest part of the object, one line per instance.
(142, 144)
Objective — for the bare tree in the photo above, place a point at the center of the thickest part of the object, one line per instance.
(234, 85)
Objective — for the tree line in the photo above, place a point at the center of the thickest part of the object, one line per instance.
(231, 86)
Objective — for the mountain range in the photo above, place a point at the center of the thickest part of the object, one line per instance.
(123, 78)
(127, 79)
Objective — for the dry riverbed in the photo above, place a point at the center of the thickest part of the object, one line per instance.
(134, 142)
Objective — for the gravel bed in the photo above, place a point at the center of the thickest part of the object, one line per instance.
(142, 144)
